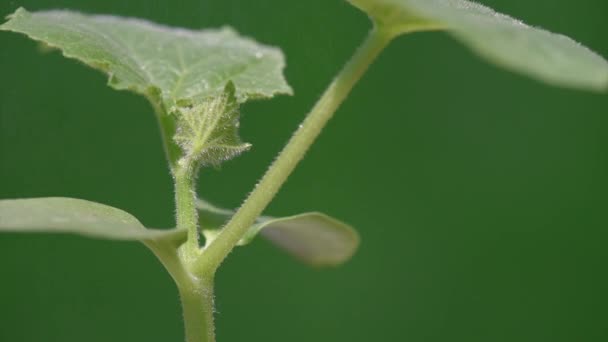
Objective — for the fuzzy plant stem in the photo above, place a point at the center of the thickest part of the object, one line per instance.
(293, 152)
(185, 204)
(197, 307)
(195, 289)
(196, 293)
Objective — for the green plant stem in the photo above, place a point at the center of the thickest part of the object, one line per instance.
(196, 293)
(293, 152)
(167, 128)
(197, 306)
(185, 206)
(166, 124)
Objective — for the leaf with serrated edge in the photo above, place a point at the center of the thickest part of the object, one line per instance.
(147, 58)
(77, 216)
(313, 238)
(208, 131)
(552, 58)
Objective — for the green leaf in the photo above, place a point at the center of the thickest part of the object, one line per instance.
(208, 131)
(313, 238)
(70, 215)
(149, 59)
(552, 58)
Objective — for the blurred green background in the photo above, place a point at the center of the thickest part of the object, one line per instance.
(481, 196)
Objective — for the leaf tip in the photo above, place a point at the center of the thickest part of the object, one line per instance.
(313, 238)
(321, 263)
(19, 12)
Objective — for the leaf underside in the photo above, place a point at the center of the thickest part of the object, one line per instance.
(149, 58)
(507, 42)
(70, 215)
(313, 238)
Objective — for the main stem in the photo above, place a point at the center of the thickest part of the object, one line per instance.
(195, 289)
(196, 293)
(294, 151)
(197, 306)
(185, 203)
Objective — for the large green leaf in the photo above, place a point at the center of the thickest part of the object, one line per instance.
(314, 238)
(70, 215)
(149, 58)
(502, 40)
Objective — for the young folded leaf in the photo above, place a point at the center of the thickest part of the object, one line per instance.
(207, 131)
(71, 215)
(548, 57)
(149, 58)
(313, 238)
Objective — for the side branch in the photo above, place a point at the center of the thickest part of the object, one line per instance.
(293, 152)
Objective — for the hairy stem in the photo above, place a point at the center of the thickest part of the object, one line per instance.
(185, 206)
(197, 306)
(293, 152)
(196, 293)
(167, 131)
(172, 151)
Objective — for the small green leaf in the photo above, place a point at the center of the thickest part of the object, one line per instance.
(314, 238)
(70, 215)
(208, 131)
(552, 58)
(146, 58)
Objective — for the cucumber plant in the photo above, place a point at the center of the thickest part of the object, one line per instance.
(196, 80)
